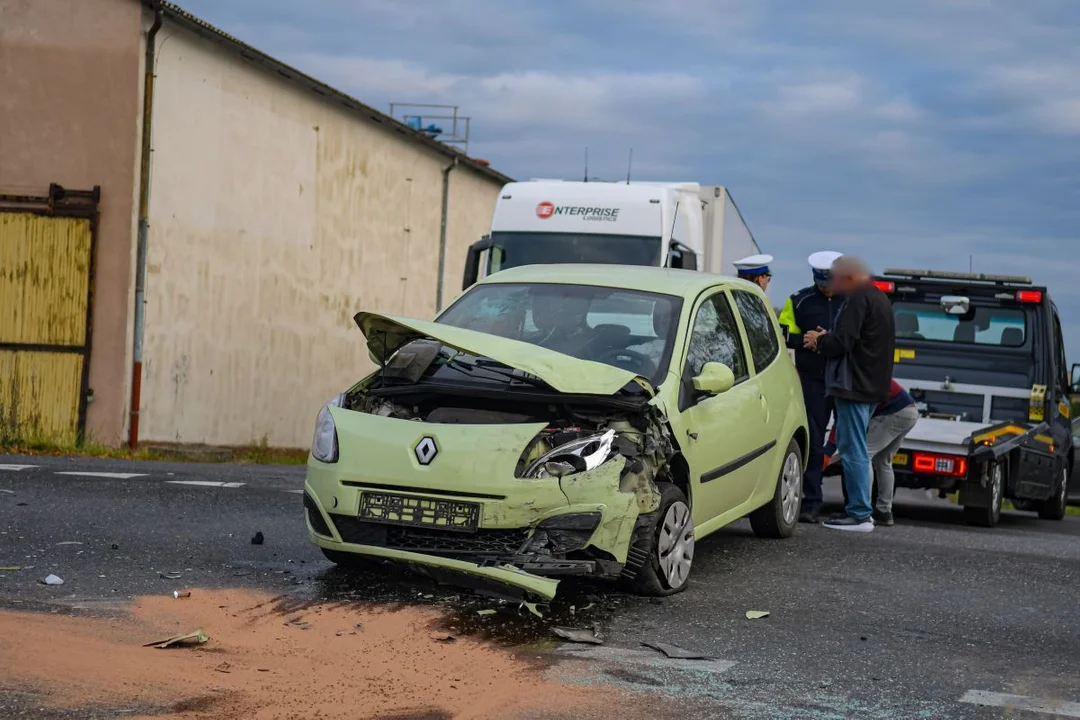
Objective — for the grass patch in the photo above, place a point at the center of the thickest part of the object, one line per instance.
(256, 454)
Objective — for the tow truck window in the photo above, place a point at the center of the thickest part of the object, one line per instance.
(514, 249)
(1003, 327)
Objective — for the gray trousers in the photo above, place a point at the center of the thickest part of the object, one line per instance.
(883, 439)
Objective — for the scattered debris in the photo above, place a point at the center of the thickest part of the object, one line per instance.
(358, 627)
(442, 637)
(69, 542)
(263, 669)
(172, 575)
(10, 568)
(863, 638)
(6, 491)
(195, 637)
(223, 667)
(114, 546)
(241, 573)
(535, 610)
(485, 612)
(298, 622)
(578, 636)
(52, 580)
(181, 594)
(756, 614)
(258, 539)
(678, 653)
(22, 504)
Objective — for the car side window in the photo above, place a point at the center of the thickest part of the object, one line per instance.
(715, 338)
(764, 347)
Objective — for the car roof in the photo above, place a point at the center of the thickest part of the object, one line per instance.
(682, 283)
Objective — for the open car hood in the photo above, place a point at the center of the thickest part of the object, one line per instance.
(386, 334)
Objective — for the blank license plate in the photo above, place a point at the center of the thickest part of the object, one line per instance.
(419, 512)
(900, 459)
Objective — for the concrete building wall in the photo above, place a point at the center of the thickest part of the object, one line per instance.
(274, 217)
(69, 114)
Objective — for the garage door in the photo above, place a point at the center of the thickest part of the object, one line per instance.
(46, 270)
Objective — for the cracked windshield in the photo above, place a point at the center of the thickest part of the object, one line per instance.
(505, 360)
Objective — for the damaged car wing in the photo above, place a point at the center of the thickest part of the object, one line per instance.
(385, 334)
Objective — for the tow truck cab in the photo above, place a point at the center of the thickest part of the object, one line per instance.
(984, 358)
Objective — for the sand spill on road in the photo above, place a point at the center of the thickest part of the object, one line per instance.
(270, 659)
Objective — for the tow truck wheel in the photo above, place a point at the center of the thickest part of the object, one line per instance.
(669, 543)
(988, 515)
(1054, 508)
(780, 516)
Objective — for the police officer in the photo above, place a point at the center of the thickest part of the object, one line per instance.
(755, 269)
(808, 309)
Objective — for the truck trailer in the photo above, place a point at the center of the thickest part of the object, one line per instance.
(677, 225)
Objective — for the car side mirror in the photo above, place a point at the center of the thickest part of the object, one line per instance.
(715, 378)
(1074, 381)
(472, 261)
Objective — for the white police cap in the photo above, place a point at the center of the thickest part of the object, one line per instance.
(823, 260)
(754, 265)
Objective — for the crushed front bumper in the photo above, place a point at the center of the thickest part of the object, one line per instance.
(518, 542)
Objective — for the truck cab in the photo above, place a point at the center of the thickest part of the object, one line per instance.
(984, 358)
(677, 225)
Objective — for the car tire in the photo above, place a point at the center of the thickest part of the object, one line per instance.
(668, 542)
(989, 515)
(780, 516)
(348, 560)
(1054, 508)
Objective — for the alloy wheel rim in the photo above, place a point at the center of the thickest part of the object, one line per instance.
(790, 488)
(675, 548)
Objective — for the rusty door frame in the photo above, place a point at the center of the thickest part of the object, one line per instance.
(64, 203)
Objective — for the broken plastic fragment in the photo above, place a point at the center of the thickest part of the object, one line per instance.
(442, 637)
(257, 539)
(195, 637)
(534, 609)
(52, 580)
(10, 568)
(223, 667)
(756, 614)
(172, 575)
(485, 611)
(677, 653)
(578, 636)
(181, 594)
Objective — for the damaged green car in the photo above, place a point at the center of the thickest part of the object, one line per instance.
(561, 421)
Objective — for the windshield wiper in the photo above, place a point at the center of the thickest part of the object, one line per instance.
(492, 367)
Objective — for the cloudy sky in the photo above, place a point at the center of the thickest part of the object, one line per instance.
(918, 134)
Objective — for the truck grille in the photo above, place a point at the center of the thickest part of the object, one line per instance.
(430, 541)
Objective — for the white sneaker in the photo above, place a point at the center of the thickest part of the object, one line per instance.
(850, 524)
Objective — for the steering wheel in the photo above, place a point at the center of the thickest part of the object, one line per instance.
(639, 362)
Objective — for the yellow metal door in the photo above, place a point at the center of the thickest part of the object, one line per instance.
(45, 269)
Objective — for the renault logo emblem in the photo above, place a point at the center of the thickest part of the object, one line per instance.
(426, 450)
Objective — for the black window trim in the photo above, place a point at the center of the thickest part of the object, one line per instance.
(746, 335)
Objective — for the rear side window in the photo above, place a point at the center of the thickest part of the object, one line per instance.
(1003, 327)
(764, 347)
(715, 338)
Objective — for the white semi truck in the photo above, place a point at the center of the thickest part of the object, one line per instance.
(678, 225)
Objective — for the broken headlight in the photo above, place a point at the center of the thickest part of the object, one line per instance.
(324, 446)
(573, 457)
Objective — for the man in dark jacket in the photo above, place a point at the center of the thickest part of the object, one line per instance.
(812, 307)
(859, 351)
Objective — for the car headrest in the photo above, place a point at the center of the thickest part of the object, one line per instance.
(964, 332)
(1012, 337)
(661, 319)
(907, 323)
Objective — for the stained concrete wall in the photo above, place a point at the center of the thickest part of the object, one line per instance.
(69, 114)
(274, 217)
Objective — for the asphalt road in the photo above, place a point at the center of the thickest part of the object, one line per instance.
(922, 620)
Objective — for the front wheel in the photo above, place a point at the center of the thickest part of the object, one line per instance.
(669, 545)
(988, 516)
(1054, 508)
(780, 516)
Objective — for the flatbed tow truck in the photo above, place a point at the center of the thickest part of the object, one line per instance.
(984, 358)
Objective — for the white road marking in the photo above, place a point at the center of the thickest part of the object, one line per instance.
(109, 475)
(17, 468)
(646, 658)
(1022, 702)
(206, 483)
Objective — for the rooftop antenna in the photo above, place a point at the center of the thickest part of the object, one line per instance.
(629, 164)
(586, 163)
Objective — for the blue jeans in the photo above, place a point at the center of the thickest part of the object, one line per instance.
(852, 422)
